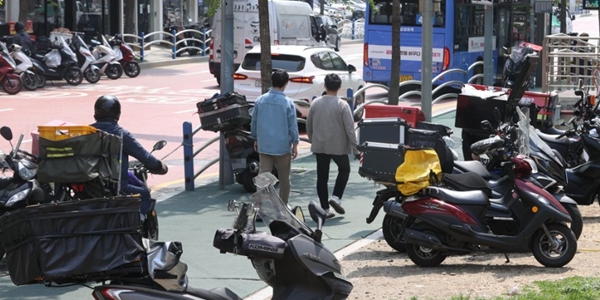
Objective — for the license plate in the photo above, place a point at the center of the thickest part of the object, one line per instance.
(257, 83)
(405, 77)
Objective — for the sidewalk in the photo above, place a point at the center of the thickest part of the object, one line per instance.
(159, 56)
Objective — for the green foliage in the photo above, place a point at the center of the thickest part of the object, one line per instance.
(213, 5)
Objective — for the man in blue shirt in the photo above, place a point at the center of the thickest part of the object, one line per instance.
(275, 131)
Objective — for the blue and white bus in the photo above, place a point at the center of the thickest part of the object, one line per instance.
(458, 38)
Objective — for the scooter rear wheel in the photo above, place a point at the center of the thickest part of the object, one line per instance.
(132, 69)
(29, 81)
(391, 228)
(423, 256)
(557, 251)
(12, 85)
(576, 219)
(114, 71)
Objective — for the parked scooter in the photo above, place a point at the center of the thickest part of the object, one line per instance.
(125, 56)
(292, 259)
(85, 59)
(106, 58)
(20, 189)
(516, 61)
(10, 81)
(440, 222)
(24, 67)
(59, 63)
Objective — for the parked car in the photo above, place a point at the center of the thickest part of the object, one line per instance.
(329, 28)
(307, 67)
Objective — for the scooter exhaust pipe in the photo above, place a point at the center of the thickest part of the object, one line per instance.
(422, 239)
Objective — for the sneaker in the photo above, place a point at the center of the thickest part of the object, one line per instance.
(336, 203)
(329, 214)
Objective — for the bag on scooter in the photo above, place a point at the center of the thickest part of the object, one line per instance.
(419, 168)
(164, 264)
(53, 59)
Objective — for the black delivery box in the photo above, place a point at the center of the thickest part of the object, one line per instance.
(223, 112)
(382, 130)
(379, 161)
(474, 106)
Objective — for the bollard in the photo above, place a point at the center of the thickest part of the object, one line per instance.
(203, 41)
(188, 155)
(350, 95)
(142, 46)
(174, 45)
(353, 28)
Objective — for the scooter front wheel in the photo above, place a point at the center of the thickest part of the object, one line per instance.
(114, 71)
(556, 250)
(29, 81)
(132, 69)
(576, 219)
(91, 75)
(74, 76)
(12, 85)
(40, 80)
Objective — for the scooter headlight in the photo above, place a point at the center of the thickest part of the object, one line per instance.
(27, 170)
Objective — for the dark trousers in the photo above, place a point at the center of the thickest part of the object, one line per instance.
(343, 164)
(144, 195)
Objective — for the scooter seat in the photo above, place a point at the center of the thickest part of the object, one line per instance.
(459, 197)
(551, 138)
(472, 166)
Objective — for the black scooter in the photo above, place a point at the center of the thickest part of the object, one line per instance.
(66, 68)
(292, 259)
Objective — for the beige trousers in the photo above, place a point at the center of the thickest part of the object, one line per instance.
(283, 163)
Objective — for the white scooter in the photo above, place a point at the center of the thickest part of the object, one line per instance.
(85, 59)
(24, 67)
(106, 59)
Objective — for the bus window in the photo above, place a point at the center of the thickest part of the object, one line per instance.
(409, 13)
(470, 23)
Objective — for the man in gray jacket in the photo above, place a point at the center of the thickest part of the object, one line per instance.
(330, 129)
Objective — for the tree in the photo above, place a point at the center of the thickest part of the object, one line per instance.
(23, 10)
(266, 65)
(394, 91)
(128, 13)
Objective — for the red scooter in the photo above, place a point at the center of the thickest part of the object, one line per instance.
(125, 56)
(10, 81)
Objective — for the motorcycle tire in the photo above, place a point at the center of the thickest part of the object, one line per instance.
(40, 80)
(576, 219)
(422, 256)
(92, 75)
(247, 181)
(391, 228)
(150, 226)
(12, 85)
(114, 71)
(132, 69)
(193, 52)
(74, 76)
(545, 254)
(29, 81)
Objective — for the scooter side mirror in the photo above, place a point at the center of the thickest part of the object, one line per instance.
(486, 125)
(298, 213)
(159, 145)
(6, 133)
(317, 214)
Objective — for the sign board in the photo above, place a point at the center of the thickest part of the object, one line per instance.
(590, 4)
(542, 7)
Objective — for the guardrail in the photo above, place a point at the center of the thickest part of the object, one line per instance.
(197, 43)
(351, 29)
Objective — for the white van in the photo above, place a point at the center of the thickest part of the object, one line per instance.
(290, 23)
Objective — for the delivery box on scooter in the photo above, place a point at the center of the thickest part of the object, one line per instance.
(223, 112)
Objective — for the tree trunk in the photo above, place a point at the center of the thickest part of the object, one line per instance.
(394, 92)
(266, 66)
(128, 17)
(23, 10)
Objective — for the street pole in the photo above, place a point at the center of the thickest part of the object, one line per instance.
(488, 41)
(225, 172)
(426, 7)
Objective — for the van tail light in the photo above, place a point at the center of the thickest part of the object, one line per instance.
(592, 100)
(446, 62)
(303, 79)
(237, 76)
(247, 42)
(212, 50)
(366, 55)
(275, 42)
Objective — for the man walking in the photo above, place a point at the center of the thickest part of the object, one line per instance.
(275, 131)
(330, 129)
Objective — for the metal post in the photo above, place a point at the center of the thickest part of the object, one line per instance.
(225, 172)
(188, 155)
(174, 40)
(427, 57)
(142, 46)
(352, 28)
(488, 40)
(203, 41)
(350, 95)
(531, 23)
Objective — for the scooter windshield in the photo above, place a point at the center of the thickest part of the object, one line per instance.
(80, 43)
(6, 55)
(270, 206)
(67, 50)
(528, 139)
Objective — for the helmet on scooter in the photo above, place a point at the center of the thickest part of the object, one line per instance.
(107, 106)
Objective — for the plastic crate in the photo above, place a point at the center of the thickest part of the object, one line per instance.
(59, 133)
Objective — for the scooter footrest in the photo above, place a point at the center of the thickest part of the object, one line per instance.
(464, 228)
